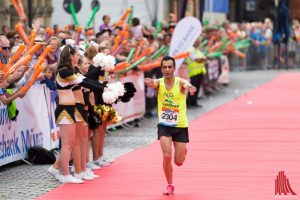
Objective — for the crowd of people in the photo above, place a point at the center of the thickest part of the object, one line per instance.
(78, 66)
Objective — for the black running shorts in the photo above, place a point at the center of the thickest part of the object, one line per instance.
(177, 134)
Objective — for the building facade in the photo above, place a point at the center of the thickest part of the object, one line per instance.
(258, 10)
(33, 9)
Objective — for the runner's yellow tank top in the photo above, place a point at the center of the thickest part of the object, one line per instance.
(171, 105)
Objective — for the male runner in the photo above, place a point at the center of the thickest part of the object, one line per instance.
(173, 123)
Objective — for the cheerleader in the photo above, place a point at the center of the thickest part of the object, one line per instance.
(65, 111)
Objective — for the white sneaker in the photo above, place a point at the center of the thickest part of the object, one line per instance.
(101, 163)
(91, 174)
(54, 172)
(87, 177)
(79, 176)
(91, 165)
(70, 179)
(106, 159)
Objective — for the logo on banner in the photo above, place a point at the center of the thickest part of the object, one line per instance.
(282, 185)
(186, 32)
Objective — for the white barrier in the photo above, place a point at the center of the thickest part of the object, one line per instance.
(35, 125)
(30, 129)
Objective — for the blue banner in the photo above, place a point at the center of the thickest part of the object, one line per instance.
(220, 6)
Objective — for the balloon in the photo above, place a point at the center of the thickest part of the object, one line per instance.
(138, 49)
(148, 67)
(205, 22)
(130, 55)
(159, 52)
(129, 20)
(72, 10)
(116, 43)
(21, 8)
(181, 55)
(18, 5)
(17, 55)
(38, 68)
(95, 10)
(124, 43)
(78, 33)
(145, 53)
(215, 46)
(121, 66)
(136, 63)
(121, 21)
(214, 55)
(158, 27)
(32, 36)
(22, 33)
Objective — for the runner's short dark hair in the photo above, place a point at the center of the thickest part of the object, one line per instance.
(167, 58)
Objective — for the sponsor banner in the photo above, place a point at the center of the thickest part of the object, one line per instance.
(186, 32)
(224, 76)
(136, 107)
(30, 129)
(213, 69)
(51, 96)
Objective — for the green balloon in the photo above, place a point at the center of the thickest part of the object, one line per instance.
(95, 10)
(130, 55)
(72, 10)
(136, 63)
(205, 22)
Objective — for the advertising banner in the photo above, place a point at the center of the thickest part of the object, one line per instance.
(31, 127)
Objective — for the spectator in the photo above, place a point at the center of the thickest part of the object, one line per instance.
(105, 25)
(6, 49)
(5, 30)
(137, 30)
(49, 78)
(52, 57)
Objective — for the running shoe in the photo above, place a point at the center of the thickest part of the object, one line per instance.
(170, 190)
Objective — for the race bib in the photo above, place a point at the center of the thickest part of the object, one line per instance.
(168, 117)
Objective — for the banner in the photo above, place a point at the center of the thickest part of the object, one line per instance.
(219, 6)
(186, 32)
(213, 69)
(136, 107)
(30, 129)
(224, 76)
(51, 96)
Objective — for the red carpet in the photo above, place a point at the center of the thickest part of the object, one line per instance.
(236, 153)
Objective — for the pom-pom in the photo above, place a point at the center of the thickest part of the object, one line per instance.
(109, 96)
(117, 87)
(107, 62)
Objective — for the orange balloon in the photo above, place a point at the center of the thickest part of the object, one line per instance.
(181, 55)
(145, 53)
(121, 66)
(22, 33)
(138, 50)
(17, 55)
(32, 36)
(117, 42)
(33, 49)
(148, 67)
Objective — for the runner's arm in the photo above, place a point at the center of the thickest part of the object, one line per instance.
(153, 83)
(188, 86)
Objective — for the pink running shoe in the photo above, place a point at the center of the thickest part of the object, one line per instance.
(170, 190)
